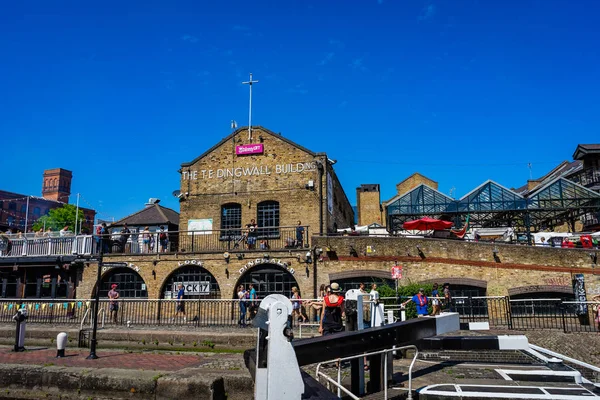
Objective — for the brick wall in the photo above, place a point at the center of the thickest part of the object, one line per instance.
(281, 173)
(413, 181)
(460, 262)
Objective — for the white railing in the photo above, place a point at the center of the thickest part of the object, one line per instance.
(385, 353)
(47, 246)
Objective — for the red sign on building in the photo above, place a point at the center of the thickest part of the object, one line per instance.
(397, 272)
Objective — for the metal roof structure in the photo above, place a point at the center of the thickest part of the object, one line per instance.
(493, 205)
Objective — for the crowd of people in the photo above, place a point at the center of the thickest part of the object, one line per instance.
(132, 241)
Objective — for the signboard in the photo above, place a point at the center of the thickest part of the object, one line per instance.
(200, 226)
(192, 288)
(397, 272)
(115, 264)
(580, 295)
(244, 149)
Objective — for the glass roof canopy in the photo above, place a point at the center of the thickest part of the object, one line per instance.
(493, 205)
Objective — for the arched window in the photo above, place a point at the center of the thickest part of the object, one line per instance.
(268, 219)
(130, 283)
(197, 282)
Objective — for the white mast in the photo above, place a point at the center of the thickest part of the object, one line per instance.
(249, 83)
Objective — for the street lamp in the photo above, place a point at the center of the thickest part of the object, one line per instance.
(94, 341)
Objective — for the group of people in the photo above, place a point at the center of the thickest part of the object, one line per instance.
(128, 241)
(439, 301)
(248, 304)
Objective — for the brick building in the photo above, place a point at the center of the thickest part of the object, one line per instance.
(45, 276)
(56, 189)
(290, 191)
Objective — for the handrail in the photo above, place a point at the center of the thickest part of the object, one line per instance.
(563, 357)
(385, 352)
(83, 319)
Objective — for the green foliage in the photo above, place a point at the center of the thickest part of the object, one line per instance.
(58, 218)
(208, 343)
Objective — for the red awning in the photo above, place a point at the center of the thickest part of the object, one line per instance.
(427, 224)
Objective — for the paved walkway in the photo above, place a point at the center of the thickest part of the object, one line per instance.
(160, 361)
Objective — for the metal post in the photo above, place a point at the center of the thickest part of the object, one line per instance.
(93, 341)
(76, 215)
(26, 216)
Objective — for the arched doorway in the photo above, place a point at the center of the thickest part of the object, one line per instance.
(268, 279)
(129, 283)
(198, 283)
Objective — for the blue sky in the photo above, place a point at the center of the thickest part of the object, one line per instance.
(122, 93)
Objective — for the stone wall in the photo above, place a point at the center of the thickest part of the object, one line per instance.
(511, 269)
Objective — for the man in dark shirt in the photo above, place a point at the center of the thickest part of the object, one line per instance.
(252, 234)
(125, 233)
(180, 304)
(299, 235)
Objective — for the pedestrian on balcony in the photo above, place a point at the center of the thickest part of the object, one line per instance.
(125, 245)
(252, 233)
(163, 239)
(64, 231)
(113, 295)
(105, 238)
(146, 240)
(299, 235)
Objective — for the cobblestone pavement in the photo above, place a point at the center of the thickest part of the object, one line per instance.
(161, 361)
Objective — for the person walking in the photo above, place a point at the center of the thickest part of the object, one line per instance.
(113, 295)
(435, 300)
(447, 301)
(421, 301)
(333, 312)
(297, 306)
(180, 302)
(242, 298)
(253, 301)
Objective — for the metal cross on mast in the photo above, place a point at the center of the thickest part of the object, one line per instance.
(249, 83)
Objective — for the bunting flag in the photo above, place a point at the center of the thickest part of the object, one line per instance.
(50, 305)
(5, 306)
(65, 305)
(44, 306)
(30, 306)
(79, 303)
(37, 306)
(23, 305)
(73, 305)
(87, 303)
(10, 306)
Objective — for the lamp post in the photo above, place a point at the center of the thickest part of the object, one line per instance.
(94, 341)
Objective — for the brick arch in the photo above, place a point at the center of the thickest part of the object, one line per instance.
(540, 289)
(458, 281)
(359, 273)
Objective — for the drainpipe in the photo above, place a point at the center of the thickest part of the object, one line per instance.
(320, 167)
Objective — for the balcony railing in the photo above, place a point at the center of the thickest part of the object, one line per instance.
(587, 177)
(261, 239)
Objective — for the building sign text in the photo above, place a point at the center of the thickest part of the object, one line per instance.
(238, 172)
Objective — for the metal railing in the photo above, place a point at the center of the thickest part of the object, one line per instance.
(499, 312)
(260, 239)
(386, 353)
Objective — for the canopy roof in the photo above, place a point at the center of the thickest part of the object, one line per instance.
(493, 205)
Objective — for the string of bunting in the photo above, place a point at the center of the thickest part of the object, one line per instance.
(44, 306)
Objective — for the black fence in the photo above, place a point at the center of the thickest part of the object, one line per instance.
(499, 312)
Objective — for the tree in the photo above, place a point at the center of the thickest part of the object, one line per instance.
(60, 217)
